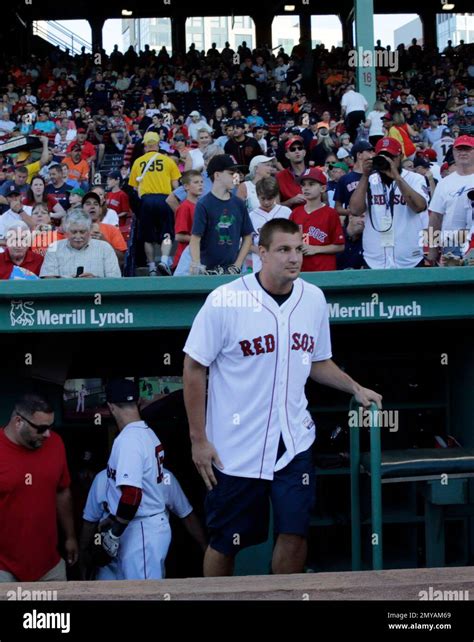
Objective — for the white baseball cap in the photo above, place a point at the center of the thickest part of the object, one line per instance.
(342, 153)
(256, 161)
(194, 113)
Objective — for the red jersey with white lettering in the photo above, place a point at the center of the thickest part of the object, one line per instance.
(118, 201)
(29, 481)
(319, 227)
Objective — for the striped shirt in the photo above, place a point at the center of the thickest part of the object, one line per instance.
(97, 258)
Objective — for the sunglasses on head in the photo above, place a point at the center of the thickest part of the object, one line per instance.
(39, 428)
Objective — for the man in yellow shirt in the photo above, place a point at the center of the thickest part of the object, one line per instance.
(34, 168)
(155, 176)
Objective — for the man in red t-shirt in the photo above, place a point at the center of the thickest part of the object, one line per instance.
(34, 495)
(18, 252)
(290, 189)
(323, 236)
(88, 151)
(193, 183)
(116, 198)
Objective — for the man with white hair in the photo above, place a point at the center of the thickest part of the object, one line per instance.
(18, 254)
(6, 125)
(79, 255)
(197, 122)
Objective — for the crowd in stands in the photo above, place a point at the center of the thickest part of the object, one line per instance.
(212, 145)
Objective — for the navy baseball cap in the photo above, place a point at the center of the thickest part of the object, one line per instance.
(115, 174)
(433, 117)
(121, 391)
(238, 122)
(361, 146)
(421, 162)
(220, 163)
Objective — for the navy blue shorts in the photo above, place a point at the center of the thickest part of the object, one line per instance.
(238, 508)
(156, 218)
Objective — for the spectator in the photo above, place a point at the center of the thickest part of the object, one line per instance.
(254, 119)
(336, 170)
(221, 222)
(353, 108)
(290, 187)
(36, 194)
(267, 192)
(242, 147)
(443, 145)
(44, 125)
(155, 176)
(402, 132)
(79, 255)
(322, 234)
(18, 253)
(353, 256)
(14, 214)
(374, 122)
(396, 204)
(181, 85)
(422, 166)
(58, 187)
(197, 123)
(347, 184)
(193, 184)
(101, 231)
(116, 198)
(44, 232)
(109, 216)
(260, 167)
(78, 169)
(323, 147)
(249, 79)
(451, 208)
(7, 126)
(195, 157)
(88, 150)
(29, 553)
(18, 184)
(434, 132)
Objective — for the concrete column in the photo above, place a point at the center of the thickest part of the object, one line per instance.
(178, 34)
(97, 25)
(364, 61)
(430, 35)
(347, 22)
(263, 30)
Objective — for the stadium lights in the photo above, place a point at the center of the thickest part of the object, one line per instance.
(126, 12)
(289, 7)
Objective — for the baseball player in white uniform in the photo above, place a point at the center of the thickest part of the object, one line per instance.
(261, 336)
(95, 511)
(137, 532)
(396, 201)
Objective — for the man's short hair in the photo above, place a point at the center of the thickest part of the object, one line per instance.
(21, 170)
(30, 402)
(188, 176)
(77, 216)
(276, 225)
(203, 130)
(57, 167)
(267, 187)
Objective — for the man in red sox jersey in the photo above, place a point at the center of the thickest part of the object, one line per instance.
(323, 237)
(261, 336)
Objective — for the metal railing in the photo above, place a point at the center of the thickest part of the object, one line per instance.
(57, 34)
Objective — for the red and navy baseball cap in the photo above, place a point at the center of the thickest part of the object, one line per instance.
(313, 174)
(389, 145)
(292, 141)
(121, 391)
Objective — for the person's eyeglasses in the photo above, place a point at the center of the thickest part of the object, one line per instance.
(296, 149)
(39, 428)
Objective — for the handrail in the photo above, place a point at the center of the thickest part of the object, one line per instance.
(75, 44)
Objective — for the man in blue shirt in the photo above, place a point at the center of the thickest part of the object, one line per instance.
(347, 184)
(221, 221)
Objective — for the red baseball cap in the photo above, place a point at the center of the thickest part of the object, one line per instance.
(314, 174)
(81, 130)
(291, 141)
(464, 141)
(444, 167)
(430, 153)
(390, 145)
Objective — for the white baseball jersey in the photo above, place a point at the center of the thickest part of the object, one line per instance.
(450, 199)
(394, 242)
(259, 217)
(441, 147)
(259, 356)
(137, 460)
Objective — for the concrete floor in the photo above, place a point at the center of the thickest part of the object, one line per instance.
(367, 585)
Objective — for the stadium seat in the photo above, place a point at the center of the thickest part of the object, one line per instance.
(427, 466)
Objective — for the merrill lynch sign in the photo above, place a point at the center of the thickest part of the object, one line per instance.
(25, 315)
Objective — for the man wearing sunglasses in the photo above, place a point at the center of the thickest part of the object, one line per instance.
(34, 495)
(288, 179)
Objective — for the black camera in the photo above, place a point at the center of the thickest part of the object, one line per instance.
(470, 195)
(380, 163)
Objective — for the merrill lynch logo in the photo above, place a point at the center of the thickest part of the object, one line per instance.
(374, 310)
(24, 314)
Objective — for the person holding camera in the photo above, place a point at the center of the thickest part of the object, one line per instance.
(396, 201)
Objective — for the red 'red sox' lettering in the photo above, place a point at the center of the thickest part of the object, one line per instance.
(303, 342)
(259, 345)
